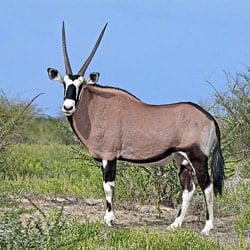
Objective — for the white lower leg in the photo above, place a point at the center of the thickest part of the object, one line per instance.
(109, 192)
(109, 217)
(186, 197)
(210, 214)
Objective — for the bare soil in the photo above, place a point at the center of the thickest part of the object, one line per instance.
(136, 217)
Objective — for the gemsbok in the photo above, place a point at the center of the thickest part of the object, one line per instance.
(115, 125)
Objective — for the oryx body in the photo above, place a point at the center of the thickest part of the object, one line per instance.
(115, 125)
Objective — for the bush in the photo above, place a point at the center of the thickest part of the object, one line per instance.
(52, 231)
(52, 169)
(232, 109)
(47, 130)
(148, 184)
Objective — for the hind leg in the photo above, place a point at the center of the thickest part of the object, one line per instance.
(208, 192)
(202, 174)
(207, 189)
(188, 188)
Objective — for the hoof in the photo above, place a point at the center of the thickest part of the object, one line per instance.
(175, 224)
(208, 226)
(109, 218)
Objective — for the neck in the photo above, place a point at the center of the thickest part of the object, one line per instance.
(79, 120)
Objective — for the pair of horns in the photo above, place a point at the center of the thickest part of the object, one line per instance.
(87, 62)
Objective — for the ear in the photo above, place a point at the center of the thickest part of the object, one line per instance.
(93, 78)
(54, 75)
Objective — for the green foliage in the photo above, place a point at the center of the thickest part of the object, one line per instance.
(46, 130)
(52, 231)
(148, 239)
(50, 169)
(45, 232)
(242, 225)
(14, 119)
(22, 122)
(236, 201)
(147, 184)
(233, 113)
(237, 197)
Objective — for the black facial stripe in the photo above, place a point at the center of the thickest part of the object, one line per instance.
(70, 92)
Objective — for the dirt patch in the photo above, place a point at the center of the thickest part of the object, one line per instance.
(136, 217)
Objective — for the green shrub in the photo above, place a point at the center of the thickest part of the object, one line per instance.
(232, 110)
(51, 169)
(235, 201)
(148, 184)
(52, 231)
(242, 225)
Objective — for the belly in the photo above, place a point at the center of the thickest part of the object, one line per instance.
(154, 160)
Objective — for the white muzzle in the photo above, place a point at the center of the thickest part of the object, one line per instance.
(68, 107)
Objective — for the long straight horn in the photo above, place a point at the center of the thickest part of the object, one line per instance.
(87, 62)
(65, 53)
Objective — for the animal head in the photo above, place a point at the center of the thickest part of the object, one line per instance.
(73, 83)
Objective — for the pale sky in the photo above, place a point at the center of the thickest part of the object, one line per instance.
(160, 51)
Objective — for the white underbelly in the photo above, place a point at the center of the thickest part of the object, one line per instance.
(161, 162)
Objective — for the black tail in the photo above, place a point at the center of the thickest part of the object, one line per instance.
(217, 165)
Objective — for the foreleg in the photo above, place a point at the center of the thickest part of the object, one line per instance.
(109, 173)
